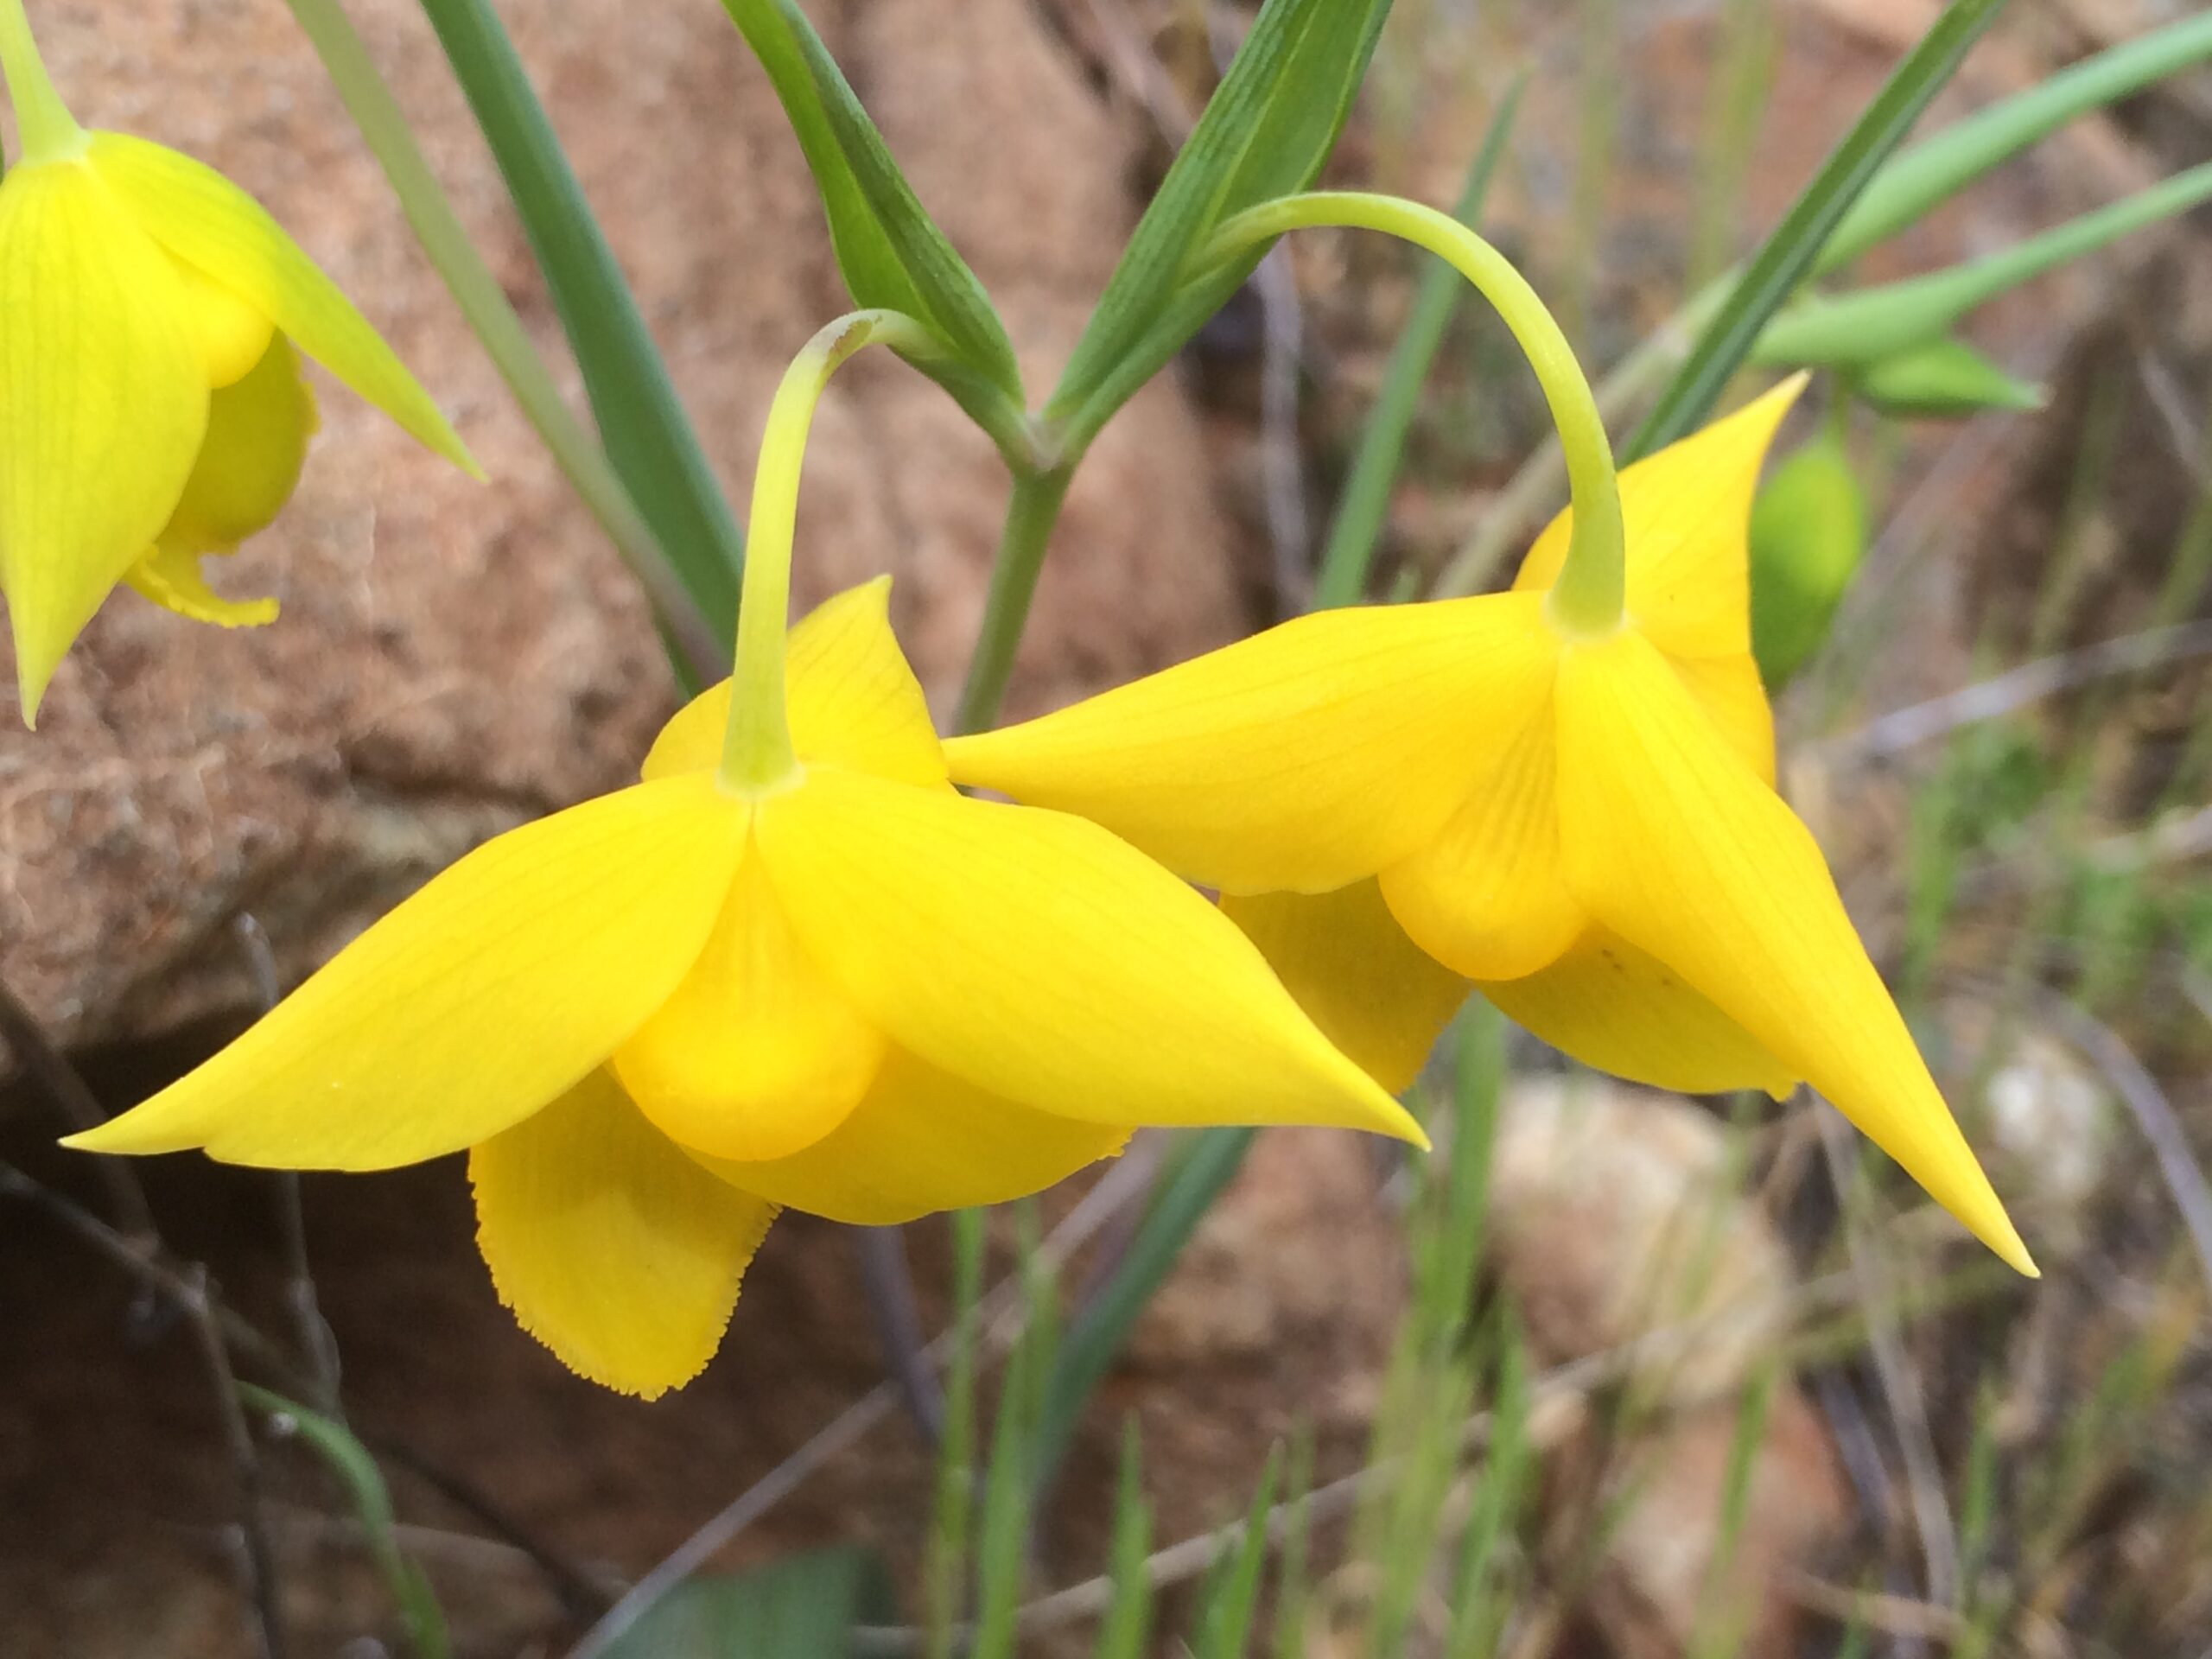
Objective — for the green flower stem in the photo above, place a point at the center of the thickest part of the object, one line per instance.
(1031, 511)
(1587, 598)
(484, 306)
(757, 756)
(48, 131)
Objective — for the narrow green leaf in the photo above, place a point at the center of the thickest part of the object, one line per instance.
(1873, 324)
(1366, 498)
(1944, 380)
(1294, 1602)
(1127, 1624)
(1099, 1330)
(1943, 164)
(1265, 133)
(356, 1469)
(890, 251)
(641, 421)
(1787, 256)
(802, 1607)
(1003, 1526)
(1226, 1623)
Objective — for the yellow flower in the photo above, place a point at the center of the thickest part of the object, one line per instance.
(151, 408)
(655, 1018)
(1582, 823)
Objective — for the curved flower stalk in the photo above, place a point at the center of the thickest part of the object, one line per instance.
(1562, 794)
(792, 966)
(151, 407)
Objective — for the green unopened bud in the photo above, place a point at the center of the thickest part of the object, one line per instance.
(1948, 380)
(1809, 532)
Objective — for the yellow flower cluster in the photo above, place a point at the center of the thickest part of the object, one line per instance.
(795, 966)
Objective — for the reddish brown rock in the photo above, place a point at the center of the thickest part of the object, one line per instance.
(452, 657)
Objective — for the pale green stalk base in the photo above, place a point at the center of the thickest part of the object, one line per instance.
(1031, 511)
(757, 755)
(48, 131)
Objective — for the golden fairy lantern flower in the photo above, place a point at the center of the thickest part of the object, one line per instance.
(1562, 794)
(791, 967)
(151, 408)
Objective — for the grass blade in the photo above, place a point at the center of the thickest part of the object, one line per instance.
(641, 421)
(1128, 1624)
(1787, 255)
(357, 1471)
(1873, 324)
(1097, 1333)
(1939, 165)
(1366, 498)
(1226, 1623)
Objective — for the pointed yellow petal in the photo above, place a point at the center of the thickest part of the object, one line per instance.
(1302, 759)
(1035, 956)
(1678, 847)
(1488, 897)
(852, 699)
(757, 1054)
(1373, 993)
(610, 1246)
(1687, 513)
(102, 401)
(923, 1141)
(171, 578)
(1612, 1006)
(1730, 691)
(232, 336)
(484, 996)
(208, 222)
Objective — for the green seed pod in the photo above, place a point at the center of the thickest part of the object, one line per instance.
(1809, 532)
(1946, 380)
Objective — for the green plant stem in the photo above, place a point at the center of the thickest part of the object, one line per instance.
(757, 754)
(1587, 598)
(493, 321)
(1365, 501)
(48, 131)
(1031, 511)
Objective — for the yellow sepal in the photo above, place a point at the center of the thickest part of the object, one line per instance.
(478, 1001)
(1036, 958)
(1302, 759)
(1677, 846)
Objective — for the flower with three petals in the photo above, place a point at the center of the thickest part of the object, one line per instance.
(1396, 802)
(655, 1019)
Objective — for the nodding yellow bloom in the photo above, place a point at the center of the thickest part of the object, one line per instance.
(151, 407)
(813, 975)
(1581, 822)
